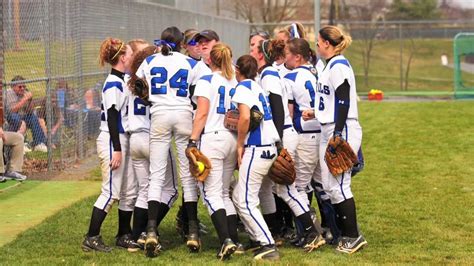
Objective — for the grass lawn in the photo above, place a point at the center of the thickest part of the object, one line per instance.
(29, 203)
(414, 201)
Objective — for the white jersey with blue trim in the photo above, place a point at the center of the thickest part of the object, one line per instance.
(202, 69)
(248, 92)
(169, 78)
(218, 90)
(282, 69)
(114, 93)
(138, 113)
(270, 81)
(301, 83)
(336, 71)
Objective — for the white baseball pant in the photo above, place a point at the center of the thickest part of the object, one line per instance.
(119, 184)
(256, 162)
(307, 163)
(220, 149)
(164, 126)
(288, 193)
(339, 188)
(140, 153)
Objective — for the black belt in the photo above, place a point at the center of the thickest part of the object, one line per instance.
(258, 146)
(309, 131)
(287, 126)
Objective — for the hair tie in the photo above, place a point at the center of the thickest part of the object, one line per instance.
(267, 57)
(171, 45)
(294, 31)
(121, 46)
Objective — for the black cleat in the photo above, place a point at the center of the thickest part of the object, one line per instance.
(126, 241)
(94, 243)
(141, 240)
(193, 241)
(313, 241)
(240, 249)
(252, 246)
(351, 245)
(267, 252)
(227, 249)
(152, 246)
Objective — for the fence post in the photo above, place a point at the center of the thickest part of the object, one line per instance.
(1, 65)
(400, 36)
(80, 124)
(47, 45)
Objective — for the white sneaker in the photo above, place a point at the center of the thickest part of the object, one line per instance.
(41, 147)
(2, 179)
(15, 176)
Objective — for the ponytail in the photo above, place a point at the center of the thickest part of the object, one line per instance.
(171, 40)
(221, 57)
(110, 51)
(336, 37)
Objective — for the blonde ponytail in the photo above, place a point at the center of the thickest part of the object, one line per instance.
(221, 57)
(336, 37)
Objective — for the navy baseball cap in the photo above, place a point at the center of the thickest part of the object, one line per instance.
(207, 34)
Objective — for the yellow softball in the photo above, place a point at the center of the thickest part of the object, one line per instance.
(200, 167)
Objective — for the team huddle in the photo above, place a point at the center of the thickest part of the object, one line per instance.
(167, 112)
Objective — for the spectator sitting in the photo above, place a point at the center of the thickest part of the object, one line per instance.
(56, 116)
(19, 108)
(15, 140)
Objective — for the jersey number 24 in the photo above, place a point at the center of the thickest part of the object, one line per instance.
(177, 81)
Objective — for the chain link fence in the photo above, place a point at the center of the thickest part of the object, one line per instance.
(50, 49)
(399, 57)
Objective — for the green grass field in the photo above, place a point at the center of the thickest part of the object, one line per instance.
(414, 201)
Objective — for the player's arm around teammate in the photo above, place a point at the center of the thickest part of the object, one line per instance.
(256, 152)
(112, 143)
(301, 82)
(218, 144)
(338, 114)
(272, 84)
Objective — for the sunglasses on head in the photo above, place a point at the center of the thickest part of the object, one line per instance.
(263, 34)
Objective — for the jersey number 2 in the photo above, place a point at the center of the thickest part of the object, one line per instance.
(177, 81)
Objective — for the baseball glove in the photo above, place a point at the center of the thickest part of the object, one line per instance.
(231, 119)
(141, 90)
(283, 169)
(339, 156)
(195, 157)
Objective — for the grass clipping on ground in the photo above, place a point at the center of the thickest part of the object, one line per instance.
(414, 201)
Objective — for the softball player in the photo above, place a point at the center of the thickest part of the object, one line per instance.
(256, 152)
(336, 109)
(113, 150)
(272, 85)
(301, 82)
(169, 74)
(139, 128)
(219, 144)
